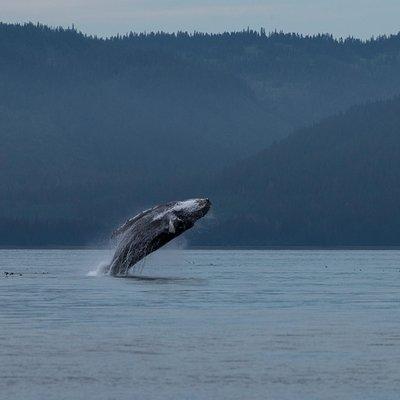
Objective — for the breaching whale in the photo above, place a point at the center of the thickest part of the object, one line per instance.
(152, 229)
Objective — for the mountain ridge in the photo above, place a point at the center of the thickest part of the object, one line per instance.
(93, 130)
(333, 183)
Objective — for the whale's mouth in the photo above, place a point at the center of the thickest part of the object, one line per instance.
(198, 207)
(204, 205)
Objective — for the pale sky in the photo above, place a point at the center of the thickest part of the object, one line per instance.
(360, 18)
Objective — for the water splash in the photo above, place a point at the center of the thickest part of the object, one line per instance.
(100, 270)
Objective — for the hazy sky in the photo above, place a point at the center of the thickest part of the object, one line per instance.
(361, 18)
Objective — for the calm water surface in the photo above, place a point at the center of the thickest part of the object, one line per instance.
(298, 325)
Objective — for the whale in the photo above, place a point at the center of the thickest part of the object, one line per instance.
(151, 229)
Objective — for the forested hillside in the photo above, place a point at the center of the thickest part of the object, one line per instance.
(335, 183)
(92, 130)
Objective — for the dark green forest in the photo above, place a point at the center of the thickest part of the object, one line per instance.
(335, 183)
(93, 130)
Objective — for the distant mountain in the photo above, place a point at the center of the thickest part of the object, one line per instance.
(334, 183)
(92, 130)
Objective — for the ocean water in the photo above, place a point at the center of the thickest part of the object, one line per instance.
(204, 324)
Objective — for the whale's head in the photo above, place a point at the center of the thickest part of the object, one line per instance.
(182, 215)
(192, 209)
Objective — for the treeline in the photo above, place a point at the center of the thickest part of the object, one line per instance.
(335, 183)
(32, 232)
(95, 129)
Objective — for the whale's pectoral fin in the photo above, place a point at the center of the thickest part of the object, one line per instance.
(171, 226)
(172, 223)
